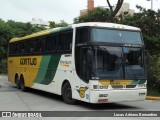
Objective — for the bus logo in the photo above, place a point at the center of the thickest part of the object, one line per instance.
(82, 91)
(28, 61)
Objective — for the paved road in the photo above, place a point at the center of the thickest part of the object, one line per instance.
(13, 99)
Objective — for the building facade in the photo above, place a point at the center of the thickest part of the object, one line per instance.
(40, 23)
(90, 7)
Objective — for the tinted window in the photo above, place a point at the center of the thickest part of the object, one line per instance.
(61, 42)
(68, 43)
(116, 36)
(57, 42)
(82, 35)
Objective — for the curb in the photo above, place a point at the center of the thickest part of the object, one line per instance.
(152, 98)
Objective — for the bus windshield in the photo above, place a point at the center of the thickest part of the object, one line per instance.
(116, 36)
(118, 63)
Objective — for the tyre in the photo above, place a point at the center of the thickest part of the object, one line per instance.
(67, 94)
(17, 83)
(22, 84)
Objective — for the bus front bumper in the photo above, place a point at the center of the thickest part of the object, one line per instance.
(110, 96)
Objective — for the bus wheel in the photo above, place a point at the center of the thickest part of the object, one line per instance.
(67, 94)
(17, 83)
(23, 88)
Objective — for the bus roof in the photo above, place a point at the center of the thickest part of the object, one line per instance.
(92, 24)
(41, 33)
(107, 25)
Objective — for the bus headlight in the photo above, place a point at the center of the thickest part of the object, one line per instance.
(95, 87)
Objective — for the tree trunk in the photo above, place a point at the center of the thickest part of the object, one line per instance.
(118, 6)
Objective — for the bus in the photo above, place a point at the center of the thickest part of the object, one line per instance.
(92, 62)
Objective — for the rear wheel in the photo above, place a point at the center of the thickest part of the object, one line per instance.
(67, 94)
(22, 84)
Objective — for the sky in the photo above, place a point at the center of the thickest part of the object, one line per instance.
(56, 10)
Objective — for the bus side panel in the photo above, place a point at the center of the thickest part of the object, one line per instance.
(27, 66)
(31, 71)
(14, 68)
(46, 73)
(11, 69)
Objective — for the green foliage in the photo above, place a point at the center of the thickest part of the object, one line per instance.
(153, 92)
(5, 36)
(3, 66)
(153, 69)
(61, 24)
(20, 29)
(52, 24)
(12, 29)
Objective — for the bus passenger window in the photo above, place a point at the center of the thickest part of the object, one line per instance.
(48, 44)
(55, 43)
(31, 46)
(68, 44)
(61, 42)
(40, 45)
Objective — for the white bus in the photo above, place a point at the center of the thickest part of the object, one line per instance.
(91, 62)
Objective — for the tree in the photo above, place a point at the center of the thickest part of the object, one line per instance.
(5, 35)
(12, 29)
(21, 29)
(99, 14)
(149, 23)
(61, 24)
(52, 24)
(117, 8)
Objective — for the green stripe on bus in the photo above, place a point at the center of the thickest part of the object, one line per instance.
(52, 68)
(142, 81)
(135, 82)
(42, 69)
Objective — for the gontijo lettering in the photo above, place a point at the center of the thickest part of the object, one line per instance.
(28, 61)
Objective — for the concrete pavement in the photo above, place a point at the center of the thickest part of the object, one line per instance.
(13, 99)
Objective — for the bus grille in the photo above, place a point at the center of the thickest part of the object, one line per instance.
(117, 86)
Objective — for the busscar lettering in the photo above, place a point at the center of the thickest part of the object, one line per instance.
(28, 61)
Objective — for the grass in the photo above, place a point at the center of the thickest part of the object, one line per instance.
(153, 92)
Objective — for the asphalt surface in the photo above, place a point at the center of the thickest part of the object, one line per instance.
(13, 99)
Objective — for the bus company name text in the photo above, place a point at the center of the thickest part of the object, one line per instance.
(28, 61)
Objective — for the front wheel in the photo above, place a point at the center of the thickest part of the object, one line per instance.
(67, 94)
